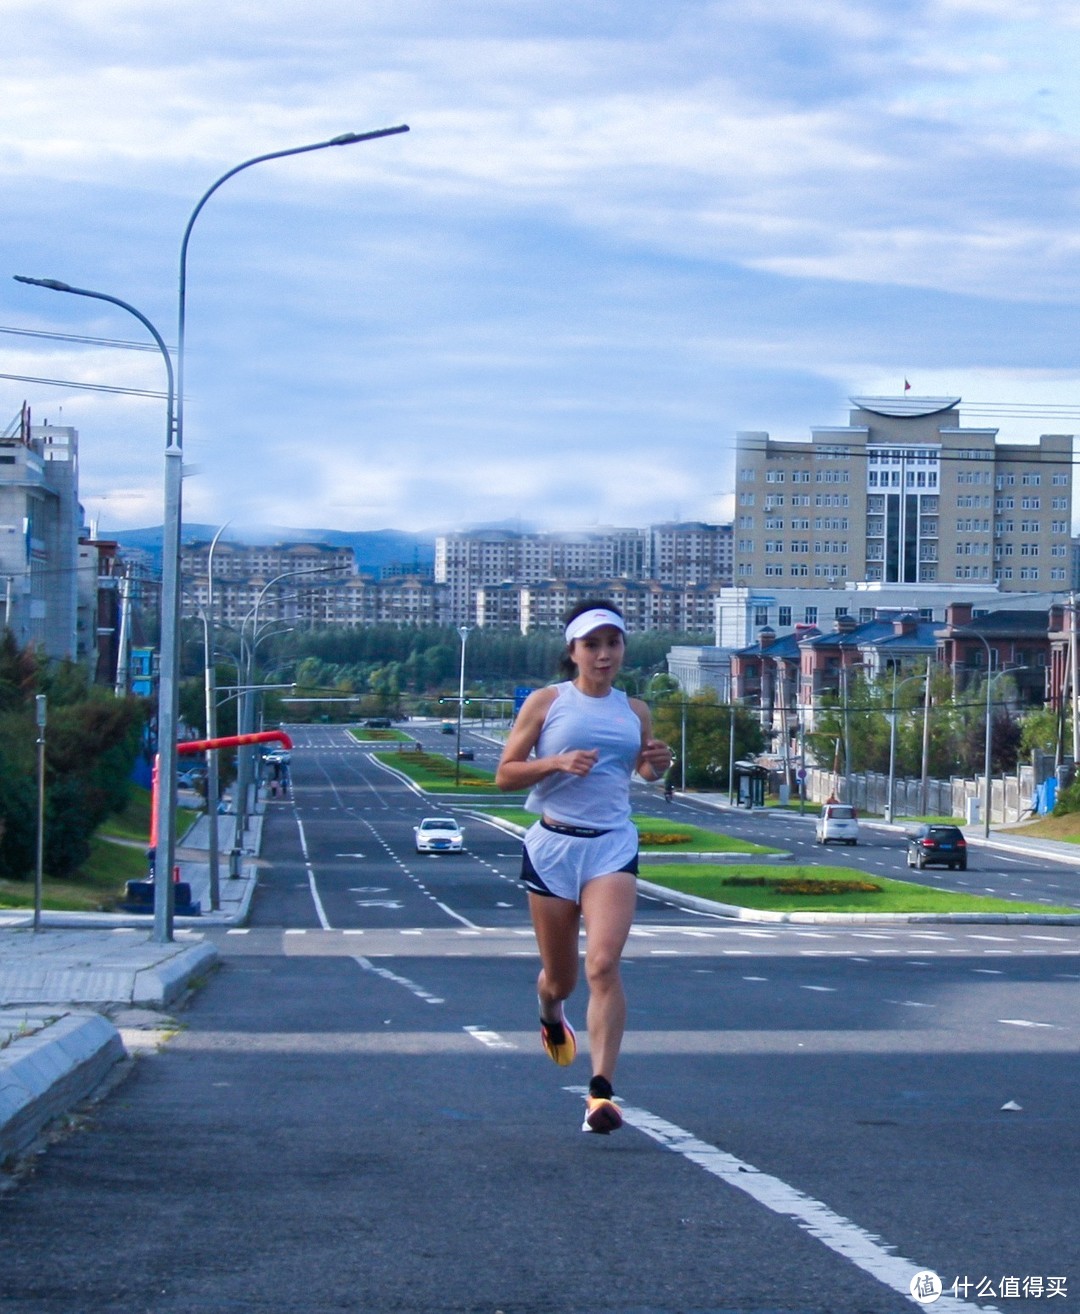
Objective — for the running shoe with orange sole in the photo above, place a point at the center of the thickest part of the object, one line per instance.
(601, 1115)
(559, 1042)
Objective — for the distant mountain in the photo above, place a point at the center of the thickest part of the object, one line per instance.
(375, 549)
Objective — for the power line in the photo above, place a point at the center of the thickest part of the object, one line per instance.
(123, 343)
(85, 387)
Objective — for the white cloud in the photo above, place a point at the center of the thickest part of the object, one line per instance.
(621, 227)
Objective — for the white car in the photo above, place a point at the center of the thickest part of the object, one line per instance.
(439, 835)
(839, 822)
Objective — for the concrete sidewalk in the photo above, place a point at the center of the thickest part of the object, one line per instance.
(64, 987)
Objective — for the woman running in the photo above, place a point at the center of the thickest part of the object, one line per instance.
(575, 746)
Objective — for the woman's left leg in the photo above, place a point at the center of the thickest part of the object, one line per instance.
(607, 906)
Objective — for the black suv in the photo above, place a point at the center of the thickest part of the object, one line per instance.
(943, 846)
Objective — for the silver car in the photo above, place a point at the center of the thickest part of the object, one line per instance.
(839, 822)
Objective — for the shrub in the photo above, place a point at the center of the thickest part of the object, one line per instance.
(797, 885)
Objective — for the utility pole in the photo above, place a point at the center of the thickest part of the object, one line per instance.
(924, 782)
(39, 865)
(123, 638)
(1074, 661)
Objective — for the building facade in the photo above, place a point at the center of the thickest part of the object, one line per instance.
(40, 526)
(492, 577)
(904, 495)
(307, 585)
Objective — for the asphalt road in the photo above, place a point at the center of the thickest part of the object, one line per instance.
(356, 1114)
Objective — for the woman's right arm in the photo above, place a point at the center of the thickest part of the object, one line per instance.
(516, 769)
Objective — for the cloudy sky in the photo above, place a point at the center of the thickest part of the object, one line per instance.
(617, 232)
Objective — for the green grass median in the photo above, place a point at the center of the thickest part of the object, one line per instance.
(658, 835)
(439, 775)
(367, 735)
(824, 889)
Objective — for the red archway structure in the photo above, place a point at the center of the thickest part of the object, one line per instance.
(210, 745)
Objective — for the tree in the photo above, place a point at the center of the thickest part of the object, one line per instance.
(1040, 731)
(91, 745)
(708, 736)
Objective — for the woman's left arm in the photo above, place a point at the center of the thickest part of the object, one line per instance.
(655, 756)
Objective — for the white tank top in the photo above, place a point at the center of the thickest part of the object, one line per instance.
(575, 721)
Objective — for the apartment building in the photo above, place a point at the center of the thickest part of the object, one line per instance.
(903, 495)
(40, 525)
(309, 585)
(646, 605)
(690, 552)
(242, 561)
(488, 572)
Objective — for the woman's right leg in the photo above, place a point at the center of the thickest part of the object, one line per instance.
(556, 923)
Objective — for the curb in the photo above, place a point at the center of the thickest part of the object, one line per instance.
(157, 986)
(739, 913)
(152, 986)
(45, 1074)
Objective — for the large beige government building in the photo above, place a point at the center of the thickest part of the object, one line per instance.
(903, 495)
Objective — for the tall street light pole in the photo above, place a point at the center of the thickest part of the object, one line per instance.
(924, 778)
(245, 756)
(168, 682)
(344, 139)
(463, 634)
(894, 713)
(41, 715)
(210, 692)
(974, 634)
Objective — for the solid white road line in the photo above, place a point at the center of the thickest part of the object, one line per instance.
(842, 1236)
(320, 911)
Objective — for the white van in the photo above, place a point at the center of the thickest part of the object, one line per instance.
(838, 821)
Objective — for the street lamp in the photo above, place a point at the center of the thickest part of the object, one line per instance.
(894, 714)
(40, 715)
(210, 693)
(168, 676)
(245, 707)
(463, 634)
(990, 678)
(344, 139)
(171, 559)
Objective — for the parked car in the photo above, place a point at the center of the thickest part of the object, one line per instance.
(941, 846)
(839, 822)
(439, 835)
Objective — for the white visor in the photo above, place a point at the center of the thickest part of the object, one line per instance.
(593, 620)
